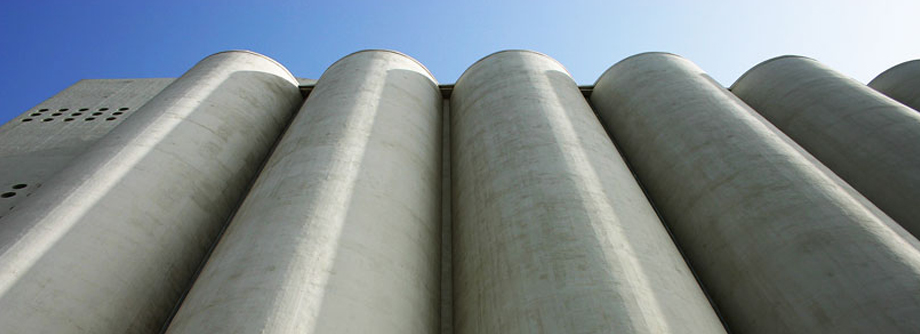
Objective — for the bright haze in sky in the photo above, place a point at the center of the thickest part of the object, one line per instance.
(47, 46)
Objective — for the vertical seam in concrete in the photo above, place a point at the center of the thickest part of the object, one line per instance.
(446, 299)
(587, 92)
(226, 224)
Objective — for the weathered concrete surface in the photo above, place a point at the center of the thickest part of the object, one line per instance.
(781, 245)
(340, 233)
(447, 274)
(110, 243)
(45, 139)
(870, 140)
(551, 232)
(901, 83)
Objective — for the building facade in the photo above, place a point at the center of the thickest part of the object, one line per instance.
(241, 199)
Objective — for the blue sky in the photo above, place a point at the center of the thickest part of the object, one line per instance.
(46, 46)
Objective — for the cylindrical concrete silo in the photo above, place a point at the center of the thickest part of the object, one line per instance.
(781, 244)
(340, 233)
(870, 140)
(552, 234)
(901, 83)
(111, 243)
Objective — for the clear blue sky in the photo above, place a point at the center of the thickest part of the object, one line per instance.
(49, 45)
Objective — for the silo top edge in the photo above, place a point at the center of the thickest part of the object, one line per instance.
(290, 75)
(764, 63)
(430, 75)
(638, 55)
(893, 68)
(513, 50)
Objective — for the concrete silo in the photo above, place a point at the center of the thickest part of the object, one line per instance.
(45, 140)
(781, 244)
(340, 233)
(551, 232)
(868, 139)
(901, 83)
(111, 242)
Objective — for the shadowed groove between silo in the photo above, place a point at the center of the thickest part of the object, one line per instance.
(551, 231)
(341, 232)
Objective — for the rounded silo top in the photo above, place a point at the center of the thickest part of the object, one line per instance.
(403, 55)
(495, 55)
(765, 63)
(287, 72)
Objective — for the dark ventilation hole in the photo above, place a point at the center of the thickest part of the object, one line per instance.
(103, 109)
(20, 186)
(97, 113)
(47, 119)
(123, 108)
(7, 194)
(90, 118)
(84, 109)
(26, 119)
(40, 110)
(76, 114)
(63, 109)
(117, 113)
(56, 114)
(68, 119)
(35, 114)
(110, 119)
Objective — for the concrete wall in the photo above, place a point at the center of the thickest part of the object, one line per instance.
(781, 246)
(45, 139)
(870, 140)
(447, 274)
(551, 232)
(340, 234)
(110, 243)
(901, 83)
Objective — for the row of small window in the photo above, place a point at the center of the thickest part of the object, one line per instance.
(82, 109)
(59, 112)
(69, 119)
(35, 114)
(9, 194)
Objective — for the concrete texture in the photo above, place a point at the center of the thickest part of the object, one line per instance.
(870, 140)
(781, 244)
(447, 303)
(111, 242)
(341, 232)
(45, 139)
(551, 232)
(364, 220)
(901, 83)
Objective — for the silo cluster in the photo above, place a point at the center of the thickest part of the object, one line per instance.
(241, 199)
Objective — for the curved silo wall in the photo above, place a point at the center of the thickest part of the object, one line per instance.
(110, 243)
(781, 244)
(868, 139)
(901, 83)
(340, 233)
(551, 231)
